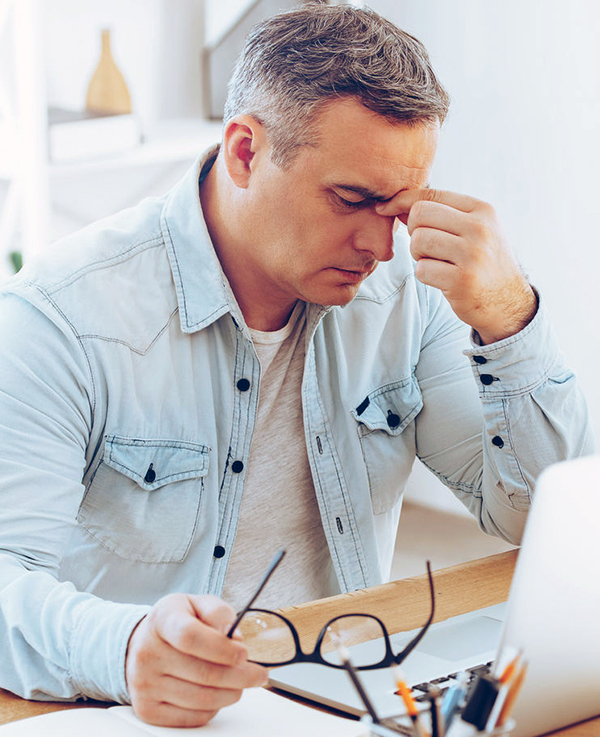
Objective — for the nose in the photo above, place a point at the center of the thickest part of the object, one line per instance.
(375, 235)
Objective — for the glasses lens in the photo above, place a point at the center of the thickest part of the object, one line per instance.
(362, 633)
(267, 636)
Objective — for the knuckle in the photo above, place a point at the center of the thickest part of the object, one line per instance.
(146, 710)
(184, 636)
(432, 195)
(418, 210)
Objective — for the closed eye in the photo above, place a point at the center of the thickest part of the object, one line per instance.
(352, 205)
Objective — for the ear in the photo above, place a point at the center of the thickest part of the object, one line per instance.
(243, 138)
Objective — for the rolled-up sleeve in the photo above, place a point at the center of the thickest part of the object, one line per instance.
(55, 642)
(489, 429)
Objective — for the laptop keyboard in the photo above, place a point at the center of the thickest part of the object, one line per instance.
(421, 690)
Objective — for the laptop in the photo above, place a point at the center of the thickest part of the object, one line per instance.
(553, 615)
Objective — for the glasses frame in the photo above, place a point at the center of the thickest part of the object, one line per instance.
(315, 656)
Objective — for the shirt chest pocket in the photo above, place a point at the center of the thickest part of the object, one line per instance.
(143, 500)
(384, 421)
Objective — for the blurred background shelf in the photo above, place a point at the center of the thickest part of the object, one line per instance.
(181, 139)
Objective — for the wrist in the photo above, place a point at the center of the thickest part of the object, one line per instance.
(516, 316)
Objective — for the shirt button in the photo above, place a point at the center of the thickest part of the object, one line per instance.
(486, 379)
(243, 385)
(219, 551)
(237, 466)
(150, 476)
(497, 441)
(480, 359)
(392, 419)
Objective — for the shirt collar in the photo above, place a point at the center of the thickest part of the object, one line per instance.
(203, 292)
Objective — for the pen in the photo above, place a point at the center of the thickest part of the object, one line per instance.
(437, 723)
(345, 658)
(409, 702)
(453, 698)
(511, 696)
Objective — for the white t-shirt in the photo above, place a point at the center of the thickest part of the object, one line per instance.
(279, 508)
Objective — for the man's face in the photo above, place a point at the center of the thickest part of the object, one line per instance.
(316, 234)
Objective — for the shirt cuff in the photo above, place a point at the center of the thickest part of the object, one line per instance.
(99, 646)
(519, 363)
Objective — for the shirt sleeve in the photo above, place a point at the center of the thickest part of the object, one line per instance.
(55, 642)
(495, 416)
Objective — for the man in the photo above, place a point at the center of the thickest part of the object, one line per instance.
(250, 362)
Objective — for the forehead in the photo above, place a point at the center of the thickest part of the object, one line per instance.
(360, 148)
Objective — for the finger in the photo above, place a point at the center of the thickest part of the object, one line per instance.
(182, 630)
(439, 274)
(202, 672)
(188, 695)
(435, 244)
(437, 215)
(400, 204)
(167, 715)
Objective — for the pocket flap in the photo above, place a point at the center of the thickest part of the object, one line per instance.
(390, 408)
(154, 463)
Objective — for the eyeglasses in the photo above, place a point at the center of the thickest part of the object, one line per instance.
(272, 640)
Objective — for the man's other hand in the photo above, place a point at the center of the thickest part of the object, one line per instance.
(181, 668)
(459, 248)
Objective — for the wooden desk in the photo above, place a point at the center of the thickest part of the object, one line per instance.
(402, 605)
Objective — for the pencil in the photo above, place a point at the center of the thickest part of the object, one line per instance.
(409, 702)
(510, 669)
(345, 658)
(511, 696)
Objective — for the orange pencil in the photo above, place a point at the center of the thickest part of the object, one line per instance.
(409, 702)
(510, 669)
(511, 696)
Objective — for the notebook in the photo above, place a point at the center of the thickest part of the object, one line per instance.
(553, 614)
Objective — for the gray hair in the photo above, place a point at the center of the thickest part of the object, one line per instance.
(295, 62)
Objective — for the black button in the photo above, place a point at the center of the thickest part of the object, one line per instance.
(237, 466)
(497, 441)
(243, 385)
(480, 359)
(150, 476)
(392, 419)
(486, 379)
(219, 551)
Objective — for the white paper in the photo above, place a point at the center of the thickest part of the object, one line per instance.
(259, 713)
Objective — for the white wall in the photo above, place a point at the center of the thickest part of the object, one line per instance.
(524, 76)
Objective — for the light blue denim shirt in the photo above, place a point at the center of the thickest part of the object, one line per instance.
(123, 410)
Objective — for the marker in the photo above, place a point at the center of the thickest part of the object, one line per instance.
(481, 701)
(453, 698)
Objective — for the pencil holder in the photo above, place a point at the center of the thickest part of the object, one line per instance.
(458, 728)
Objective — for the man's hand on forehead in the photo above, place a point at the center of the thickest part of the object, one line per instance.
(459, 248)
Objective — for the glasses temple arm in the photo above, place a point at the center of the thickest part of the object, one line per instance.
(273, 565)
(413, 643)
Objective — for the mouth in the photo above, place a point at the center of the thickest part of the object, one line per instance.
(354, 275)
